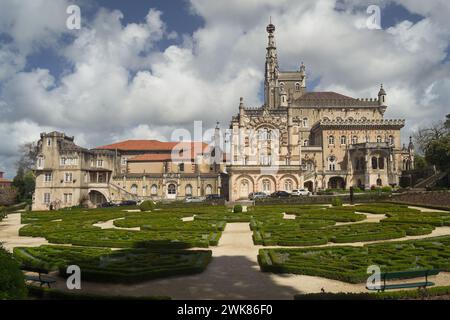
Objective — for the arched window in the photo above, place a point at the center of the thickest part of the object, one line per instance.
(331, 140)
(391, 140)
(374, 163)
(208, 189)
(354, 140)
(379, 182)
(305, 143)
(288, 185)
(40, 162)
(134, 188)
(378, 139)
(305, 122)
(297, 86)
(381, 163)
(172, 189)
(343, 140)
(266, 185)
(188, 190)
(154, 190)
(181, 167)
(332, 163)
(281, 84)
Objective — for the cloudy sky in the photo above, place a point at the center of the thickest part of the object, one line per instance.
(139, 69)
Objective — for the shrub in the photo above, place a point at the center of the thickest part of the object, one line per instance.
(12, 284)
(147, 205)
(386, 189)
(336, 202)
(237, 208)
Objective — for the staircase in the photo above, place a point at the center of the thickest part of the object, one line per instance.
(430, 181)
(123, 194)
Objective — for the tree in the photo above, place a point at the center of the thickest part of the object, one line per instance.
(24, 181)
(420, 162)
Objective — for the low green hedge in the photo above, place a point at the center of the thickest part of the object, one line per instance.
(43, 293)
(349, 264)
(106, 265)
(12, 285)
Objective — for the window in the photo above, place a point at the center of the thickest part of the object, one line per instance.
(288, 185)
(181, 167)
(49, 142)
(266, 185)
(124, 161)
(208, 189)
(374, 163)
(381, 163)
(265, 160)
(172, 189)
(354, 140)
(305, 122)
(67, 198)
(48, 177)
(297, 86)
(391, 140)
(281, 84)
(379, 182)
(99, 163)
(40, 162)
(62, 161)
(134, 189)
(188, 190)
(47, 198)
(68, 177)
(331, 140)
(343, 140)
(332, 163)
(154, 190)
(378, 139)
(305, 143)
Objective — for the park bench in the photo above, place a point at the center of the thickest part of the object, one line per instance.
(39, 278)
(405, 275)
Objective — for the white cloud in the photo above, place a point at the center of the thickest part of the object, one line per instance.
(120, 85)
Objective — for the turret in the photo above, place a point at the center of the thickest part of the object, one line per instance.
(303, 75)
(271, 69)
(382, 97)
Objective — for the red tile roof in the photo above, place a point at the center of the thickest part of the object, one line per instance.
(151, 157)
(324, 95)
(153, 145)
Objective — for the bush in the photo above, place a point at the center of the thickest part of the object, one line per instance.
(336, 202)
(237, 208)
(386, 189)
(12, 284)
(147, 205)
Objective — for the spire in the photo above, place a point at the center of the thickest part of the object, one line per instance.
(411, 144)
(271, 70)
(382, 97)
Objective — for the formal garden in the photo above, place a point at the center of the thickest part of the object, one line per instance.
(131, 244)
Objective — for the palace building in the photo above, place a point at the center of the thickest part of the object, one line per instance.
(313, 140)
(296, 139)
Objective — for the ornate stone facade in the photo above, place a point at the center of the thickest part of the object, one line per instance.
(313, 140)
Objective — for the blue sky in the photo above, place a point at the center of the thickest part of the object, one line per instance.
(164, 64)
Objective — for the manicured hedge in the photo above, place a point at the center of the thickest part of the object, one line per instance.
(106, 265)
(350, 264)
(12, 284)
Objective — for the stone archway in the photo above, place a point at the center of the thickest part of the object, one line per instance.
(96, 198)
(336, 183)
(309, 185)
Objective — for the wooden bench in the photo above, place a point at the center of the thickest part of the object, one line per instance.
(39, 278)
(405, 275)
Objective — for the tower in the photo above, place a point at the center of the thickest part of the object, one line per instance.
(382, 97)
(271, 70)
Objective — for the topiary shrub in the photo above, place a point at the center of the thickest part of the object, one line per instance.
(237, 208)
(336, 202)
(12, 284)
(147, 205)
